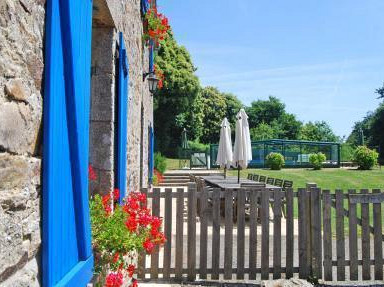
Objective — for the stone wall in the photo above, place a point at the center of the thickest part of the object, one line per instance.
(102, 117)
(138, 58)
(105, 37)
(21, 73)
(21, 81)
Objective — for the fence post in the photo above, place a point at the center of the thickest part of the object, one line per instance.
(310, 187)
(316, 243)
(191, 241)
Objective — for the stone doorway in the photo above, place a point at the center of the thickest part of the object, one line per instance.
(104, 73)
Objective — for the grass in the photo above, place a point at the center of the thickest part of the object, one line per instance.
(172, 163)
(330, 178)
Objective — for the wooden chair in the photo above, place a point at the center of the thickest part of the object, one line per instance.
(270, 180)
(255, 177)
(278, 182)
(250, 176)
(262, 178)
(287, 184)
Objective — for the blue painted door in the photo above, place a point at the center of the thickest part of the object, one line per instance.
(66, 249)
(151, 154)
(122, 98)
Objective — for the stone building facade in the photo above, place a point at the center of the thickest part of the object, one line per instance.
(22, 35)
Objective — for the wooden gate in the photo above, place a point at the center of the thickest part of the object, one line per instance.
(259, 233)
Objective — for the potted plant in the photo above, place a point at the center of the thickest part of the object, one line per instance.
(119, 233)
(156, 27)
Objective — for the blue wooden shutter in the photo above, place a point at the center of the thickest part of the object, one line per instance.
(150, 158)
(122, 120)
(144, 6)
(151, 56)
(67, 258)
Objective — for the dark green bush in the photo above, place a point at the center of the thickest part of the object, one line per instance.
(365, 158)
(160, 162)
(317, 159)
(197, 146)
(347, 151)
(275, 160)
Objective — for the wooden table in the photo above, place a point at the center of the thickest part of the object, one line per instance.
(230, 181)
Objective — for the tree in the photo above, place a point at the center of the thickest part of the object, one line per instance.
(192, 120)
(263, 132)
(180, 89)
(214, 110)
(318, 131)
(289, 127)
(265, 111)
(380, 92)
(369, 131)
(272, 113)
(233, 106)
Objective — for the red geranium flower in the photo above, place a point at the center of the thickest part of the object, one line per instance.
(148, 245)
(116, 194)
(114, 280)
(91, 173)
(131, 224)
(116, 257)
(156, 222)
(144, 219)
(131, 270)
(134, 283)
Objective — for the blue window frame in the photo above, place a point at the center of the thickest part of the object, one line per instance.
(122, 117)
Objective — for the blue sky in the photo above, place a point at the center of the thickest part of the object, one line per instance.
(323, 59)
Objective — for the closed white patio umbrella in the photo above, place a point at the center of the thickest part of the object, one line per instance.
(242, 153)
(224, 155)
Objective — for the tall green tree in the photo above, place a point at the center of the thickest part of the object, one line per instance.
(288, 127)
(214, 110)
(233, 106)
(380, 92)
(263, 131)
(180, 89)
(265, 111)
(318, 131)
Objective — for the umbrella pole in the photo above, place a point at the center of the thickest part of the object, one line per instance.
(225, 172)
(238, 173)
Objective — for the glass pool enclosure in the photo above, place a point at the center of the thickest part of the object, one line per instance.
(296, 153)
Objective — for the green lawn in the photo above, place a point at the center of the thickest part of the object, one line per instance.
(330, 178)
(172, 163)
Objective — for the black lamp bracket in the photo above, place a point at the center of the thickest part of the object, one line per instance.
(145, 75)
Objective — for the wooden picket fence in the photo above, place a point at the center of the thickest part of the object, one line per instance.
(238, 234)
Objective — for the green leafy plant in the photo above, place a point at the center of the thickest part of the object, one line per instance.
(275, 160)
(155, 180)
(119, 232)
(317, 159)
(156, 26)
(160, 162)
(347, 151)
(365, 158)
(197, 146)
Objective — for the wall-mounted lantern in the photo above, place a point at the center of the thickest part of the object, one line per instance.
(152, 81)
